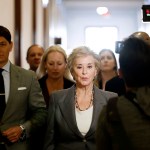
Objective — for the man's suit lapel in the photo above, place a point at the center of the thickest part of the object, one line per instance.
(68, 110)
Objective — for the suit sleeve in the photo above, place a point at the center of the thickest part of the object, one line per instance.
(37, 112)
(49, 137)
(102, 135)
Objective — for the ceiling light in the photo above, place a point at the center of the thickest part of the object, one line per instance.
(45, 3)
(102, 10)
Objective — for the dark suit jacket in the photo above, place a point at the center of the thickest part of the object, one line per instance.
(62, 131)
(25, 104)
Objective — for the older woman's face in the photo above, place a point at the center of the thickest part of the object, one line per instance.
(55, 65)
(84, 70)
(107, 62)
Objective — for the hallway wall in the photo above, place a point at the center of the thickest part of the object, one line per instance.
(7, 19)
(127, 18)
(66, 22)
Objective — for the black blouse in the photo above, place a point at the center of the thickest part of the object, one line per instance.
(42, 81)
(116, 85)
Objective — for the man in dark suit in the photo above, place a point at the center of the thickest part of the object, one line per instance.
(25, 107)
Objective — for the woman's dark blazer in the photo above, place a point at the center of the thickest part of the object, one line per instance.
(42, 81)
(62, 131)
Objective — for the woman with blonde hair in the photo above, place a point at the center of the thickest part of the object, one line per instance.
(53, 72)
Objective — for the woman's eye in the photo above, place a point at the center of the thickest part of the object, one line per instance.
(102, 58)
(109, 57)
(79, 67)
(89, 66)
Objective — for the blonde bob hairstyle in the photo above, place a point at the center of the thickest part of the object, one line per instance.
(81, 51)
(41, 71)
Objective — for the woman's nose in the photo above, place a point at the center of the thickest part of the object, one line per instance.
(55, 66)
(84, 71)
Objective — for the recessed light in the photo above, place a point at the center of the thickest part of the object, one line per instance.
(102, 10)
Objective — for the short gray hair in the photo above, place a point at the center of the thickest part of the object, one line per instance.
(79, 52)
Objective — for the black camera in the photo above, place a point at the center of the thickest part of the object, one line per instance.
(118, 46)
(146, 13)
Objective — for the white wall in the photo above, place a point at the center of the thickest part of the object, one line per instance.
(39, 23)
(57, 24)
(73, 19)
(7, 19)
(26, 29)
(78, 19)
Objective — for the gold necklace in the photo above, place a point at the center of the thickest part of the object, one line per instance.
(77, 104)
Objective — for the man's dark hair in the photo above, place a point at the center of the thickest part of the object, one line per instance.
(4, 32)
(134, 62)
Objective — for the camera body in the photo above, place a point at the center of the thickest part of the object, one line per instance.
(118, 46)
(146, 13)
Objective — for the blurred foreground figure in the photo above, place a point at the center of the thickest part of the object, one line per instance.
(124, 124)
(141, 35)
